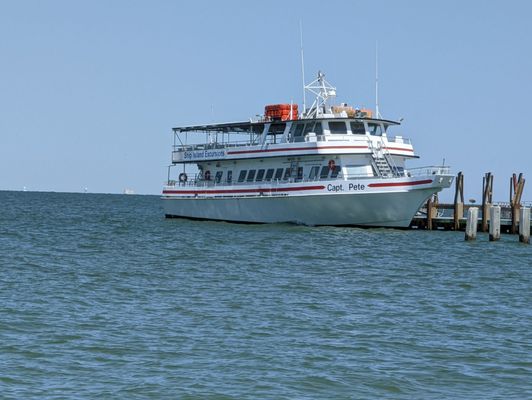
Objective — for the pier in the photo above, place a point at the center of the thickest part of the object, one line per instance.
(441, 216)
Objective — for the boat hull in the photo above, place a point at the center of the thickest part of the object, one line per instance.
(384, 208)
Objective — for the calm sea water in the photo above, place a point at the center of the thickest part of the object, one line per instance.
(101, 297)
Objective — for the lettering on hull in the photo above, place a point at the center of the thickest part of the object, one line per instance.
(203, 154)
(344, 187)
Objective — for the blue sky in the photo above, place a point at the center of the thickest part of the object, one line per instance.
(89, 90)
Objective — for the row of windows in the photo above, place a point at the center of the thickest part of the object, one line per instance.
(260, 175)
(335, 127)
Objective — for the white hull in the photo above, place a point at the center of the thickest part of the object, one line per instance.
(386, 207)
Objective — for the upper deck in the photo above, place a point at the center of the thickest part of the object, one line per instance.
(281, 132)
(329, 134)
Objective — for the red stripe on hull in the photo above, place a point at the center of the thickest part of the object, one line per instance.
(399, 149)
(237, 191)
(296, 149)
(400, 183)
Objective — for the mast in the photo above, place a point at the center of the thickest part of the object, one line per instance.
(377, 113)
(302, 65)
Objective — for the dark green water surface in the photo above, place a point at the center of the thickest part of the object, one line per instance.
(101, 297)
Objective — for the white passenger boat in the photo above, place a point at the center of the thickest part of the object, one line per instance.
(328, 165)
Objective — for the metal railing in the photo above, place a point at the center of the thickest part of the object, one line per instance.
(428, 170)
(297, 139)
(212, 146)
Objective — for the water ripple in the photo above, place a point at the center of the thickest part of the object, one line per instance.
(104, 298)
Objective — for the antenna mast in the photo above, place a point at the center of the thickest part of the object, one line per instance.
(377, 113)
(302, 65)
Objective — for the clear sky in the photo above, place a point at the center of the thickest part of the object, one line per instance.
(89, 90)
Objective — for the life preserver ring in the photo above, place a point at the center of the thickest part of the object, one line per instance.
(207, 175)
(331, 164)
(183, 177)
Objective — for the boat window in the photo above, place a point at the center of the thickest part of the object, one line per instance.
(309, 128)
(324, 172)
(260, 175)
(299, 173)
(313, 172)
(337, 127)
(251, 175)
(357, 128)
(318, 129)
(276, 129)
(218, 176)
(375, 129)
(357, 170)
(278, 173)
(269, 174)
(229, 176)
(336, 171)
(287, 173)
(242, 175)
(293, 128)
(297, 129)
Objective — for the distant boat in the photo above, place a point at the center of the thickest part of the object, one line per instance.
(129, 191)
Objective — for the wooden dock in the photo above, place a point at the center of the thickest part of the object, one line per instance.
(439, 216)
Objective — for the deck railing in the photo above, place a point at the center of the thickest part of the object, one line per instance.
(428, 170)
(299, 139)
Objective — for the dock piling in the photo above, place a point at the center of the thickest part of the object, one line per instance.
(432, 210)
(458, 201)
(430, 207)
(524, 225)
(487, 199)
(495, 223)
(471, 225)
(516, 191)
(441, 216)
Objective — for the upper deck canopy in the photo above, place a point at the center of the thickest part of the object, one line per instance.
(238, 127)
(258, 126)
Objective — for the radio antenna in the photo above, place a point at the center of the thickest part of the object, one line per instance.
(377, 113)
(302, 65)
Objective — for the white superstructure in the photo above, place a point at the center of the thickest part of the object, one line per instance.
(329, 165)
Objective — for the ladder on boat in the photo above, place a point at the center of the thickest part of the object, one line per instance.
(382, 161)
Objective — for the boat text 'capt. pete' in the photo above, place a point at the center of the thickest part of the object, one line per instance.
(353, 187)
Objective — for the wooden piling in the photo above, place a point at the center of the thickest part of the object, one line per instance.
(524, 225)
(429, 214)
(432, 211)
(487, 199)
(516, 187)
(458, 212)
(495, 223)
(471, 225)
